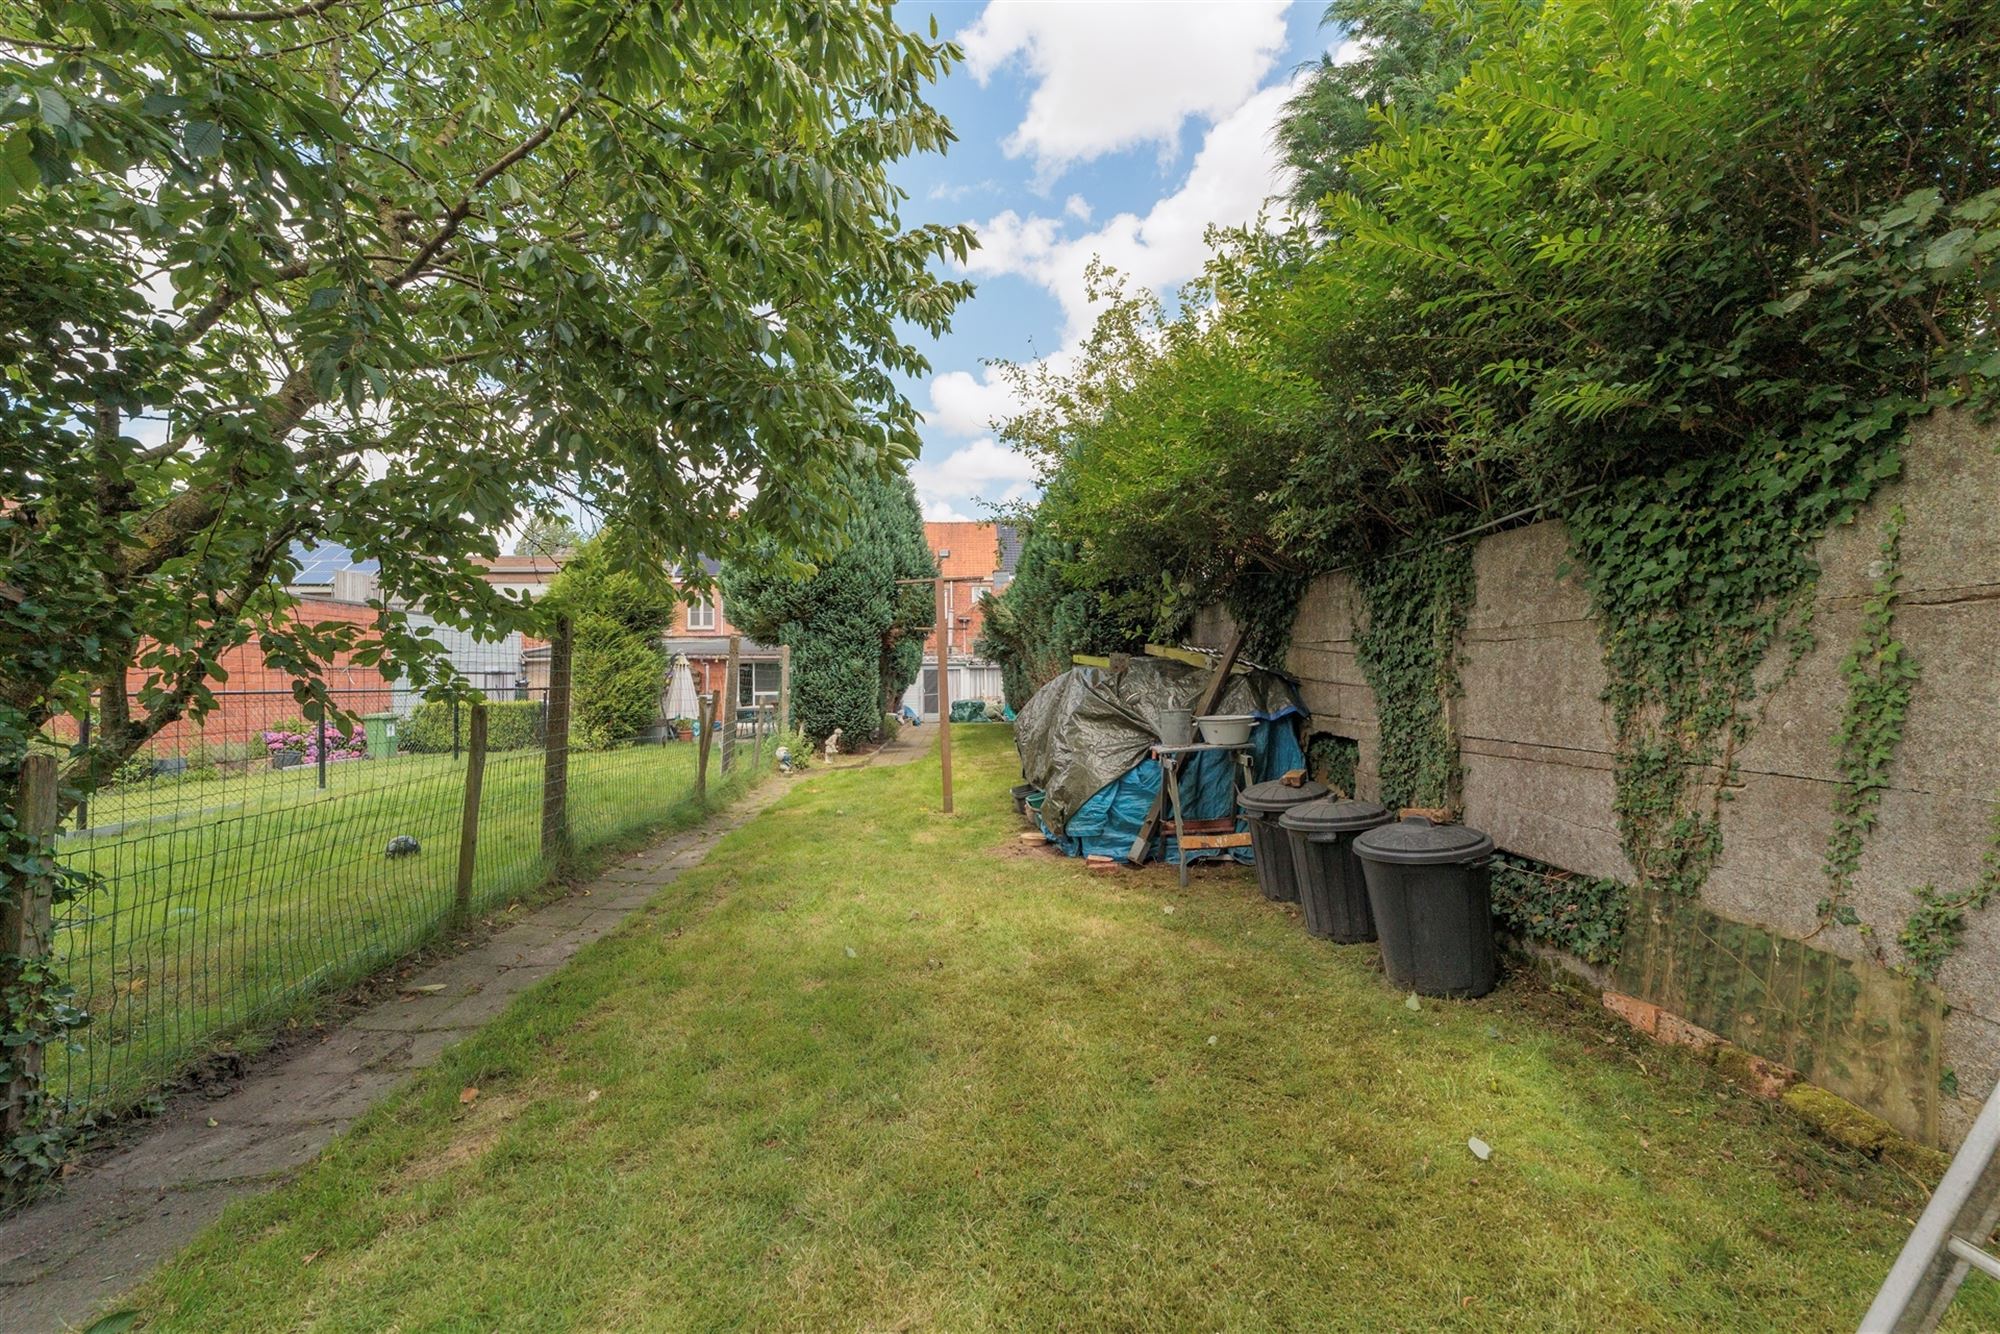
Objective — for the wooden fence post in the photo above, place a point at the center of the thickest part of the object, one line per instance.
(468, 824)
(24, 922)
(784, 688)
(728, 705)
(555, 748)
(706, 708)
(944, 693)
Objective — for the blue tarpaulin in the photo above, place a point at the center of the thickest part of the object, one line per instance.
(1085, 739)
(1107, 823)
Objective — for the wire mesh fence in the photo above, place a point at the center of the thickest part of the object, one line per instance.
(247, 864)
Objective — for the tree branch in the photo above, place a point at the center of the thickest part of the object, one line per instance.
(456, 218)
(307, 10)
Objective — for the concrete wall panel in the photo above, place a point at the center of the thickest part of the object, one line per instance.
(1537, 739)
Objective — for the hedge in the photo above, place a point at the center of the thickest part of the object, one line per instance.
(510, 725)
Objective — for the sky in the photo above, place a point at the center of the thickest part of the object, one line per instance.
(1112, 128)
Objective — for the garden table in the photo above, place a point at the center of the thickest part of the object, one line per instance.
(1239, 771)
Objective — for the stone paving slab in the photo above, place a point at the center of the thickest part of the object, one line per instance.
(68, 1256)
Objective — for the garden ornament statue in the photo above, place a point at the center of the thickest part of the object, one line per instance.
(402, 845)
(833, 743)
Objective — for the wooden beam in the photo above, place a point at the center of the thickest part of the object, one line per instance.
(1196, 842)
(1193, 657)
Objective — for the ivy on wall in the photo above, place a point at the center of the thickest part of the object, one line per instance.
(1577, 913)
(1265, 604)
(1333, 760)
(1880, 674)
(1695, 575)
(1935, 929)
(1417, 600)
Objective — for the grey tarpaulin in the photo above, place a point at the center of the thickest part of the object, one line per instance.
(1088, 726)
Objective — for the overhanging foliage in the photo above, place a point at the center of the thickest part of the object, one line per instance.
(1678, 274)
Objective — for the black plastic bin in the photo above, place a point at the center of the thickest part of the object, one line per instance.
(1430, 891)
(1331, 887)
(1262, 804)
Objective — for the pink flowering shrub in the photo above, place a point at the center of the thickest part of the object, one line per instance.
(301, 738)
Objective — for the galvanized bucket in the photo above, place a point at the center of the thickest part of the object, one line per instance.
(1176, 727)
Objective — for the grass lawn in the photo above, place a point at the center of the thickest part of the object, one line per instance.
(231, 900)
(874, 1068)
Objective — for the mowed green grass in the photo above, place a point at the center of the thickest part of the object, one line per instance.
(871, 1067)
(231, 901)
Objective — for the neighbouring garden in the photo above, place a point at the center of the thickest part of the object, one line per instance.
(873, 1067)
(222, 905)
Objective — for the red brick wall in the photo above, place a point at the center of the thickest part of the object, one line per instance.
(256, 695)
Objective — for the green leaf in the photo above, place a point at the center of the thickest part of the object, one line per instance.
(53, 108)
(202, 139)
(18, 171)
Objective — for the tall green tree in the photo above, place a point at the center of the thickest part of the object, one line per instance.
(1395, 57)
(618, 606)
(388, 273)
(856, 632)
(547, 535)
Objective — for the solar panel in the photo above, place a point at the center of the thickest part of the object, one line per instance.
(320, 562)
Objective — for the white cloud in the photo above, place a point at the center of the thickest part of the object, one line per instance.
(1353, 49)
(964, 405)
(982, 470)
(1077, 207)
(959, 191)
(1115, 76)
(943, 511)
(1238, 168)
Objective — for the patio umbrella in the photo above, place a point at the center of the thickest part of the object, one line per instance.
(680, 702)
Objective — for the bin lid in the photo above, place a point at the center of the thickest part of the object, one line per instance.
(1265, 798)
(1332, 815)
(1415, 841)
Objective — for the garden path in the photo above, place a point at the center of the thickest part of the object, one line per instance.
(122, 1213)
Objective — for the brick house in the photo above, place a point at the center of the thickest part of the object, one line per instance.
(700, 633)
(981, 557)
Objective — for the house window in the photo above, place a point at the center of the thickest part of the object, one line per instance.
(756, 683)
(702, 612)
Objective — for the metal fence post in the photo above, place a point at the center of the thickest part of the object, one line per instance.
(468, 824)
(555, 756)
(784, 688)
(454, 730)
(24, 924)
(322, 751)
(705, 707)
(731, 690)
